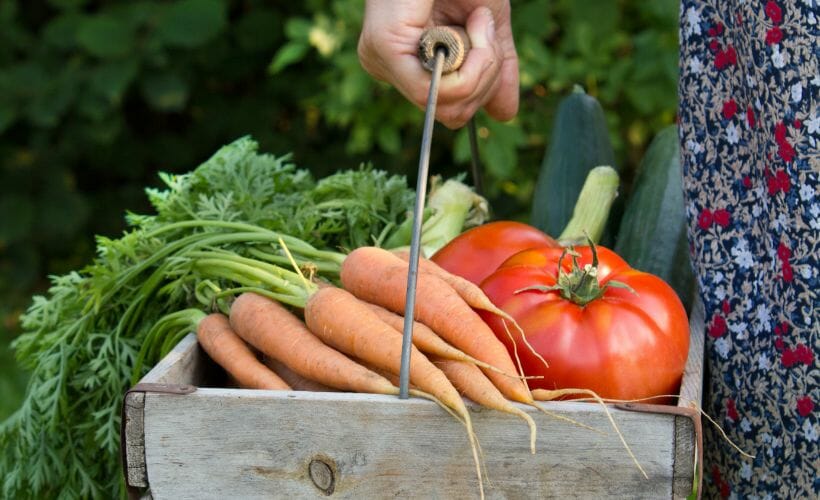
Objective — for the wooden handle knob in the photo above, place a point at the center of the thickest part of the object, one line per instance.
(454, 41)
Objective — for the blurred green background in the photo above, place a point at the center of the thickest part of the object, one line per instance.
(96, 97)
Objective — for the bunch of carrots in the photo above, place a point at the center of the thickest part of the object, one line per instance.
(349, 339)
(345, 334)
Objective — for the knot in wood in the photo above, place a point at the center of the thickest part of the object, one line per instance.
(323, 476)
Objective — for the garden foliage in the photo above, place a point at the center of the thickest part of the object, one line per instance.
(97, 97)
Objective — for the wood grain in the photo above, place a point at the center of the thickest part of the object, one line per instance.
(220, 443)
(692, 384)
(185, 364)
(232, 443)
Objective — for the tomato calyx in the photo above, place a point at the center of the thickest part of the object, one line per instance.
(578, 285)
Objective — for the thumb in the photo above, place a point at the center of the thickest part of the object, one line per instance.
(480, 27)
(466, 89)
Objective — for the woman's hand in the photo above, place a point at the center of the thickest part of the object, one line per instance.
(388, 50)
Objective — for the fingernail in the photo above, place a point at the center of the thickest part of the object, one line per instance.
(491, 31)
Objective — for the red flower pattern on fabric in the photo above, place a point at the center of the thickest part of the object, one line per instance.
(784, 181)
(788, 272)
(805, 406)
(786, 151)
(774, 12)
(717, 478)
(726, 58)
(801, 354)
(722, 217)
(773, 185)
(780, 181)
(788, 358)
(705, 219)
(780, 133)
(774, 36)
(765, 49)
(725, 490)
(804, 354)
(783, 252)
(731, 410)
(729, 109)
(718, 327)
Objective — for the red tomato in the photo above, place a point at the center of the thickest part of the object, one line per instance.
(621, 344)
(477, 252)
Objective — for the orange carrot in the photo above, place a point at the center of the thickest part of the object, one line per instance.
(426, 339)
(278, 333)
(296, 381)
(231, 353)
(344, 322)
(377, 276)
(472, 295)
(469, 291)
(471, 382)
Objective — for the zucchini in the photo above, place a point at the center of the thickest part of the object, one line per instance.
(579, 143)
(592, 208)
(652, 236)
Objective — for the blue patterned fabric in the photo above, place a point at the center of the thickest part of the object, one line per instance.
(750, 127)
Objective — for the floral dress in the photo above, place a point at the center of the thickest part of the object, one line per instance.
(750, 129)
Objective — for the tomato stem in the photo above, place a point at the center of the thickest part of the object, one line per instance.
(579, 285)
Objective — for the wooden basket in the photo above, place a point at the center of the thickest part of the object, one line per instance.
(184, 438)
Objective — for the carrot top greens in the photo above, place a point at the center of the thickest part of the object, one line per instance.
(99, 326)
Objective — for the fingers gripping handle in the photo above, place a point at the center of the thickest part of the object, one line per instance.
(454, 41)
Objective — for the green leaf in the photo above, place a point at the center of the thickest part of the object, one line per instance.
(103, 36)
(288, 54)
(298, 28)
(500, 148)
(47, 107)
(67, 4)
(389, 139)
(61, 212)
(165, 91)
(461, 146)
(259, 30)
(61, 32)
(112, 80)
(7, 115)
(533, 19)
(191, 23)
(361, 139)
(19, 219)
(93, 106)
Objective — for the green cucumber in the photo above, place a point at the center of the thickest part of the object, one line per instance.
(652, 236)
(579, 143)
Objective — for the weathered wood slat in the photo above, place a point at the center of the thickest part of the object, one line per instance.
(185, 364)
(134, 431)
(692, 384)
(691, 391)
(225, 443)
